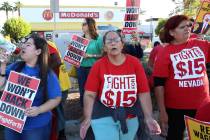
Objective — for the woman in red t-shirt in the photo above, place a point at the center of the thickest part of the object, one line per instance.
(180, 78)
(115, 85)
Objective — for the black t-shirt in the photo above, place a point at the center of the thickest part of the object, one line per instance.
(134, 50)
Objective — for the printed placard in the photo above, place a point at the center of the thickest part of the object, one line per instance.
(76, 49)
(202, 22)
(131, 16)
(119, 91)
(197, 130)
(18, 95)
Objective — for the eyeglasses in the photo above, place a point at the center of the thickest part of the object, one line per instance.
(109, 41)
(188, 26)
(25, 39)
(83, 24)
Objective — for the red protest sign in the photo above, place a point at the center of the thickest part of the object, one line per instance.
(131, 16)
(18, 95)
(76, 49)
(132, 3)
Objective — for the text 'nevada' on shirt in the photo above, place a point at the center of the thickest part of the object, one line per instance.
(184, 67)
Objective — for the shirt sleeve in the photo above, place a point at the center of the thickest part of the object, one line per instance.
(53, 86)
(202, 114)
(142, 82)
(93, 80)
(9, 68)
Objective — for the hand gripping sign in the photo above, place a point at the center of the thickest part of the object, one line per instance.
(18, 95)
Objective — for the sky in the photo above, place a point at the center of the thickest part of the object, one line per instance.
(153, 8)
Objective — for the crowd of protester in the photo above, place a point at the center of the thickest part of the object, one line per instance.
(114, 89)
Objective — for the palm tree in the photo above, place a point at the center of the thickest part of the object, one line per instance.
(6, 7)
(17, 7)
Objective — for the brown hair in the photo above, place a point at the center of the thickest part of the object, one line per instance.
(171, 24)
(92, 28)
(41, 43)
(161, 35)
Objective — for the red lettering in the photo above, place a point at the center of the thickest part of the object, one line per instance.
(129, 98)
(109, 101)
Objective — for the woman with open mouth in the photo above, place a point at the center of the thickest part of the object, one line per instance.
(111, 104)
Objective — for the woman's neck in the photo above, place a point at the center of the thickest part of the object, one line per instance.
(178, 42)
(32, 63)
(117, 59)
(87, 35)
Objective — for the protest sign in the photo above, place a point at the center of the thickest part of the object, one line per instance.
(131, 16)
(202, 22)
(76, 50)
(197, 130)
(18, 95)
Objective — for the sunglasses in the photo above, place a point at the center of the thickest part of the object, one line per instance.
(25, 39)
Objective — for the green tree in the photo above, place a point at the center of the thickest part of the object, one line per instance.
(16, 28)
(6, 7)
(161, 23)
(17, 7)
(189, 7)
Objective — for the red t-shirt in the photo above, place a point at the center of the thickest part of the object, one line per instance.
(154, 53)
(117, 85)
(203, 112)
(193, 36)
(184, 67)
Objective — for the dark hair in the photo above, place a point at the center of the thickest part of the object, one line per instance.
(161, 35)
(92, 28)
(41, 43)
(119, 31)
(171, 24)
(156, 43)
